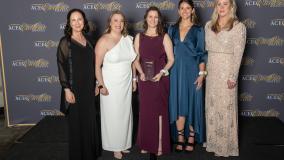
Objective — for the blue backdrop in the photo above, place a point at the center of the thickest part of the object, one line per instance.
(31, 29)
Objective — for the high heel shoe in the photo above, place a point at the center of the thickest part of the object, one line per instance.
(179, 143)
(144, 151)
(117, 155)
(160, 152)
(190, 144)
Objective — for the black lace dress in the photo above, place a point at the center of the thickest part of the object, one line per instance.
(84, 141)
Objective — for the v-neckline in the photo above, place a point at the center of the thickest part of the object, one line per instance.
(77, 42)
(179, 37)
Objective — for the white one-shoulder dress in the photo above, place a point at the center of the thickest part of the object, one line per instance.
(116, 108)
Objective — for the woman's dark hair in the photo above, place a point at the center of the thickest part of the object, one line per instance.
(160, 27)
(68, 29)
(193, 17)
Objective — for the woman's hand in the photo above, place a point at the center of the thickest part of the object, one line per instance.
(158, 77)
(97, 90)
(134, 86)
(69, 96)
(104, 91)
(199, 82)
(231, 84)
(142, 77)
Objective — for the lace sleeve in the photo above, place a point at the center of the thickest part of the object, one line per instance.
(239, 47)
(62, 63)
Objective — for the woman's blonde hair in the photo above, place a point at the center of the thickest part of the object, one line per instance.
(124, 31)
(233, 17)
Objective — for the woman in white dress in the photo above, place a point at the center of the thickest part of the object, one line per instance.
(114, 57)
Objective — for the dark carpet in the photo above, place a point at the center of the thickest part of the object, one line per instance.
(261, 138)
(9, 136)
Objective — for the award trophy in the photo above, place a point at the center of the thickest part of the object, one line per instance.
(149, 70)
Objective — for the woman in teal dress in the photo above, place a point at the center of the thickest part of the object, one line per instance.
(186, 102)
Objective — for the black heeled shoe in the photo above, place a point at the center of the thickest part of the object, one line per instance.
(190, 144)
(178, 143)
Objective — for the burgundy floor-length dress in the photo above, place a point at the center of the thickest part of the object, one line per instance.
(153, 97)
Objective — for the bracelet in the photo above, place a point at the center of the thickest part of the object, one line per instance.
(202, 73)
(134, 79)
(165, 72)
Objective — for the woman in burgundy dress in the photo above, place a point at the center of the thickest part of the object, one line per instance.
(155, 51)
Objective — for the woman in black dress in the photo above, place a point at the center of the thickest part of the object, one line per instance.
(75, 59)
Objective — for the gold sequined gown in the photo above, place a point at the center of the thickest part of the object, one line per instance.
(225, 51)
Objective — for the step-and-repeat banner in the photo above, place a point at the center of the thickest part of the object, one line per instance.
(31, 29)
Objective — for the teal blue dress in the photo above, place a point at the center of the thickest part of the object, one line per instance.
(184, 99)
